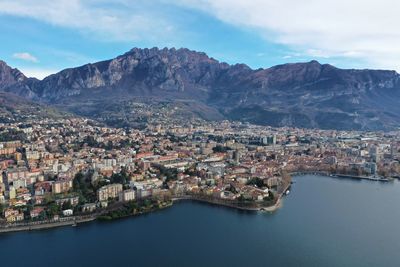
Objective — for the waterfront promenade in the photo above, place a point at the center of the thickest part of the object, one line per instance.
(46, 224)
(75, 220)
(249, 206)
(231, 204)
(349, 176)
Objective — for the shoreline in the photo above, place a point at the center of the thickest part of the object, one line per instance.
(270, 208)
(346, 176)
(75, 221)
(43, 225)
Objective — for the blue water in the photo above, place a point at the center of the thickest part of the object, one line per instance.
(323, 222)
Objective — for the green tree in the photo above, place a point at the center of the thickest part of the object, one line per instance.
(12, 135)
(219, 149)
(270, 196)
(147, 203)
(256, 181)
(82, 183)
(90, 141)
(78, 180)
(170, 173)
(66, 205)
(53, 209)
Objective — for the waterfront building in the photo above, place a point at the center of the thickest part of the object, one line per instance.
(127, 195)
(12, 215)
(109, 192)
(68, 212)
(71, 200)
(90, 207)
(272, 181)
(36, 212)
(143, 193)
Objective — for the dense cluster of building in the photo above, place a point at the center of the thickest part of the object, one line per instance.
(61, 168)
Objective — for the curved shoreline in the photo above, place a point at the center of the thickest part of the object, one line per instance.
(270, 208)
(73, 221)
(42, 225)
(346, 176)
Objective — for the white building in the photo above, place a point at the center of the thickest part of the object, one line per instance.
(127, 195)
(68, 212)
(109, 191)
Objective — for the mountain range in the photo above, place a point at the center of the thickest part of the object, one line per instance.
(310, 94)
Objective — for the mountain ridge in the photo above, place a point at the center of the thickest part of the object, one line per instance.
(306, 94)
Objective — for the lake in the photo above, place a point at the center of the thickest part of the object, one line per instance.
(323, 222)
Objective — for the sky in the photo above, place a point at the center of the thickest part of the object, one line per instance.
(42, 37)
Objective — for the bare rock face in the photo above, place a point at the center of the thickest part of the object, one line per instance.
(14, 81)
(301, 94)
(9, 76)
(139, 70)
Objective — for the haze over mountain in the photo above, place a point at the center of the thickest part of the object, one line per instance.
(301, 94)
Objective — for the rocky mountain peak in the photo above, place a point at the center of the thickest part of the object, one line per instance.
(181, 54)
(308, 94)
(9, 76)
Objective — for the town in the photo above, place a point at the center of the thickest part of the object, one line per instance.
(74, 169)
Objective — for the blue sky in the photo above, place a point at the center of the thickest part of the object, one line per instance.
(48, 36)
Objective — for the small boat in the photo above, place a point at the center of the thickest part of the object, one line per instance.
(287, 192)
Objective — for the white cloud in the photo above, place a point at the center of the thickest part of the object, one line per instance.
(37, 72)
(118, 20)
(356, 29)
(317, 53)
(25, 56)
